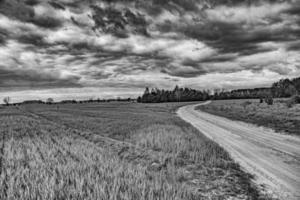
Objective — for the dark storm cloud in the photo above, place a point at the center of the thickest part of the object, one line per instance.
(190, 69)
(56, 5)
(77, 23)
(220, 58)
(233, 37)
(20, 11)
(32, 2)
(2, 40)
(3, 36)
(46, 22)
(238, 37)
(294, 46)
(16, 10)
(111, 20)
(34, 79)
(185, 73)
(294, 10)
(32, 39)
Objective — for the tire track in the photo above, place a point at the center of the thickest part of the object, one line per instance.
(84, 134)
(3, 173)
(124, 150)
(62, 152)
(2, 151)
(100, 141)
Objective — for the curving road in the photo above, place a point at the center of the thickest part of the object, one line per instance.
(273, 158)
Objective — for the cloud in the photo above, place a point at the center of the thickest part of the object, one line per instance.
(32, 39)
(185, 72)
(133, 44)
(3, 36)
(118, 23)
(258, 14)
(32, 2)
(16, 10)
(33, 79)
(229, 29)
(294, 46)
(56, 5)
(191, 69)
(46, 22)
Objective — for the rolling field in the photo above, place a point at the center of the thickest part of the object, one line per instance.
(112, 151)
(278, 116)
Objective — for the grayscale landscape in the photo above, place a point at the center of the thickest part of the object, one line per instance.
(149, 100)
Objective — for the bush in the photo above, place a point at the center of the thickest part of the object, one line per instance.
(296, 99)
(269, 100)
(261, 100)
(292, 101)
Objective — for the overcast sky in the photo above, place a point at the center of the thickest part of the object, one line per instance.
(91, 48)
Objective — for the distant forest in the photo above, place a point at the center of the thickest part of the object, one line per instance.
(51, 101)
(282, 88)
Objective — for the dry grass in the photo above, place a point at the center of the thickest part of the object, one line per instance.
(278, 116)
(48, 154)
(183, 145)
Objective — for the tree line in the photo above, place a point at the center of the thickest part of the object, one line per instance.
(7, 101)
(280, 89)
(156, 95)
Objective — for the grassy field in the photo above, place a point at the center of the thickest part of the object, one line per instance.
(112, 151)
(278, 116)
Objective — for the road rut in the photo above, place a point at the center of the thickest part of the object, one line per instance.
(273, 158)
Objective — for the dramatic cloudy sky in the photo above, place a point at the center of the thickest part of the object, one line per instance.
(106, 48)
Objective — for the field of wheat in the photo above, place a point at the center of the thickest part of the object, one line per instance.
(112, 151)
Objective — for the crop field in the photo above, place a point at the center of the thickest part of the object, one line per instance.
(112, 151)
(278, 116)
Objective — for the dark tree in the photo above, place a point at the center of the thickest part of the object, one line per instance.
(284, 88)
(269, 100)
(177, 95)
(49, 101)
(6, 100)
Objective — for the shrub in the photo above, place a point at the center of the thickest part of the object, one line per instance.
(261, 100)
(292, 101)
(269, 100)
(49, 101)
(296, 99)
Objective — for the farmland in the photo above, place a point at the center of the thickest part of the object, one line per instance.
(112, 151)
(278, 116)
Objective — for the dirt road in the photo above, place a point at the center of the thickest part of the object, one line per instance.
(273, 158)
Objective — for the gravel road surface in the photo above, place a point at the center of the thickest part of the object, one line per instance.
(273, 158)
